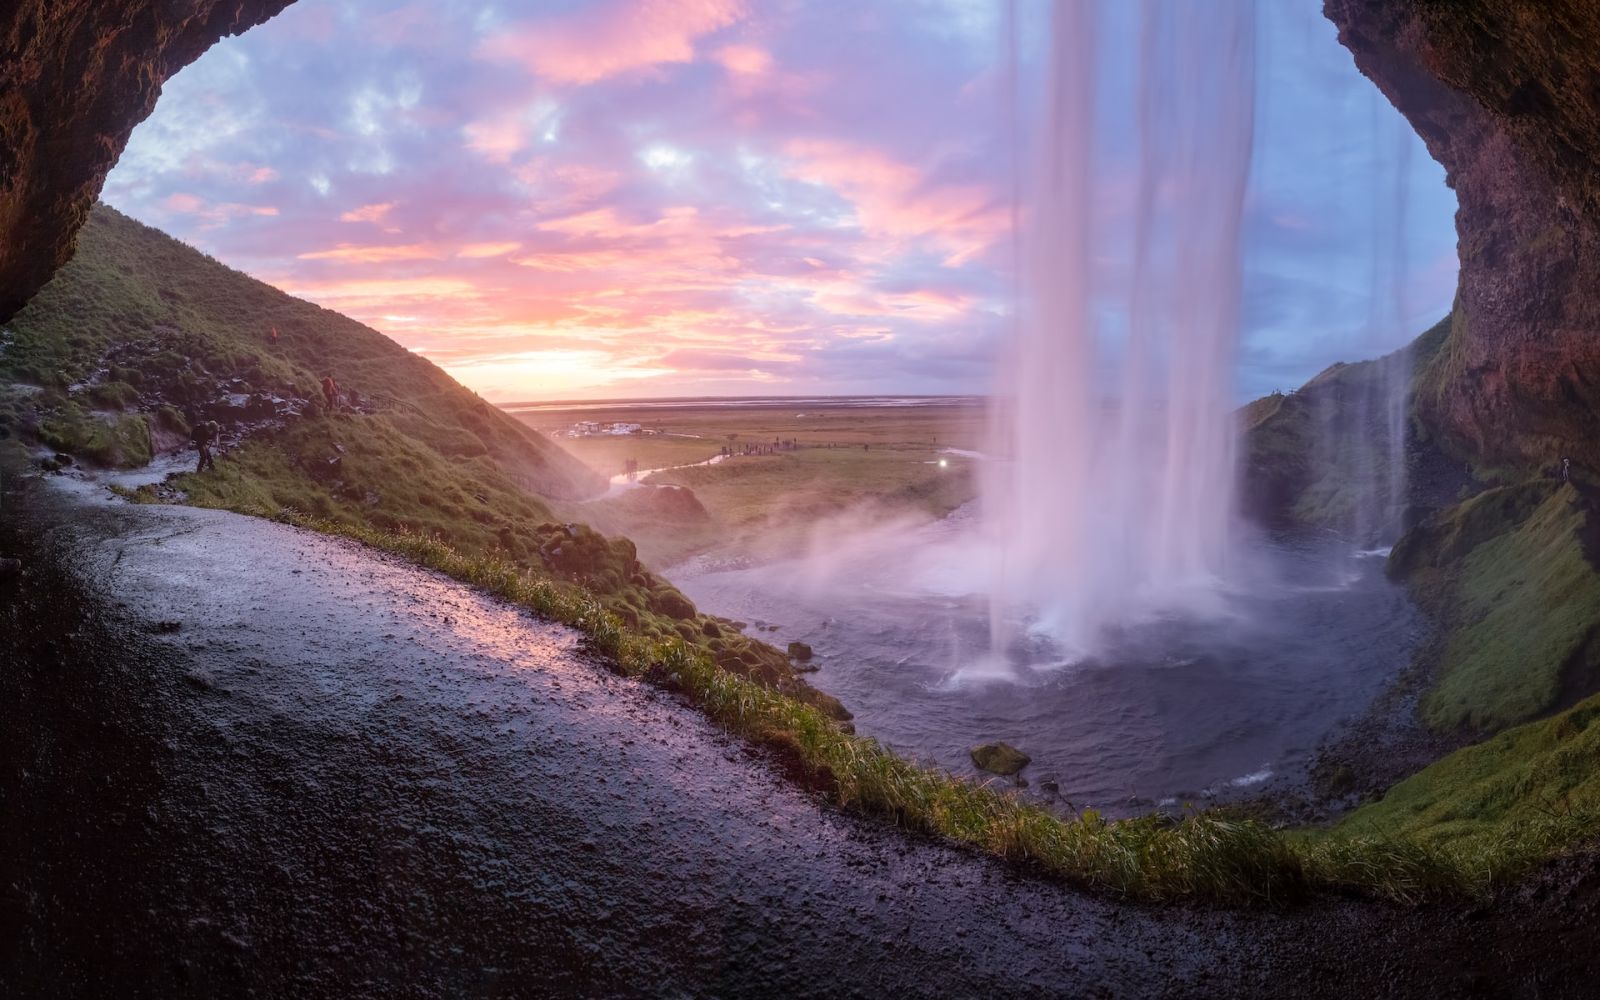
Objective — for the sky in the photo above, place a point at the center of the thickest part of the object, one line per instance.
(626, 198)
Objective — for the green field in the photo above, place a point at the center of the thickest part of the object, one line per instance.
(862, 461)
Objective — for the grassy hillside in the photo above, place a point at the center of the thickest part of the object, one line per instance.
(1534, 788)
(137, 316)
(1308, 457)
(140, 335)
(1507, 576)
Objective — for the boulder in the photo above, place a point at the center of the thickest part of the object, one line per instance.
(999, 758)
(672, 604)
(800, 651)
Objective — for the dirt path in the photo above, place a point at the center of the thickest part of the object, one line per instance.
(244, 759)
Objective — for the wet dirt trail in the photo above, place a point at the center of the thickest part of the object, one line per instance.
(241, 759)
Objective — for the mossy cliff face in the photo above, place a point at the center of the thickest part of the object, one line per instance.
(1506, 94)
(75, 77)
(1316, 458)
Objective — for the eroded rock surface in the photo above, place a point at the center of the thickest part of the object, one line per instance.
(1506, 94)
(76, 76)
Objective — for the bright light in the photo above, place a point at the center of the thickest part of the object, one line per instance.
(944, 463)
(664, 158)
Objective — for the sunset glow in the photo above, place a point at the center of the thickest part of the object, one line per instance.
(667, 197)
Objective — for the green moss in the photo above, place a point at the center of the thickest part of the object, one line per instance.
(1507, 576)
(113, 395)
(1525, 794)
(1527, 603)
(109, 442)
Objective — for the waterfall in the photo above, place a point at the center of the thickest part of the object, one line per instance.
(1113, 490)
(1361, 412)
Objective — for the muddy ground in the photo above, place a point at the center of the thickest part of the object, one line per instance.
(240, 759)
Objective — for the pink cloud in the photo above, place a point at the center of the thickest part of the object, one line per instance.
(744, 60)
(213, 214)
(498, 139)
(562, 187)
(614, 38)
(894, 200)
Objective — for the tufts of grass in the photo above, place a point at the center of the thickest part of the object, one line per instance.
(119, 441)
(1501, 805)
(1201, 855)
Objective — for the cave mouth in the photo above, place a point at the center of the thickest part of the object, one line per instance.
(1373, 223)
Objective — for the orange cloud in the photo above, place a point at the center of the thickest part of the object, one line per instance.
(613, 39)
(368, 213)
(476, 250)
(402, 288)
(372, 255)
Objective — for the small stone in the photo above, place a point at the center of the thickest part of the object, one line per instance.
(999, 758)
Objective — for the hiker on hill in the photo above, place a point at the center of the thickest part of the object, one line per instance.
(272, 338)
(330, 392)
(203, 435)
(1566, 470)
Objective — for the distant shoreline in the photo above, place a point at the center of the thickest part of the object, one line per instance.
(740, 402)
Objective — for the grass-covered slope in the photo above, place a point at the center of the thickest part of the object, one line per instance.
(137, 313)
(1308, 458)
(1507, 577)
(140, 335)
(1533, 789)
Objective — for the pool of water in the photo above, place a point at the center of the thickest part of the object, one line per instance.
(1171, 709)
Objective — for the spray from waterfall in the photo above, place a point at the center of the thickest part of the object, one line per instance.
(1361, 411)
(1113, 492)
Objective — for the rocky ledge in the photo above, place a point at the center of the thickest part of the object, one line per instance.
(76, 76)
(1506, 94)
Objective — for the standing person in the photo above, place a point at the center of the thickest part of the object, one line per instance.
(272, 338)
(203, 435)
(330, 392)
(1566, 470)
